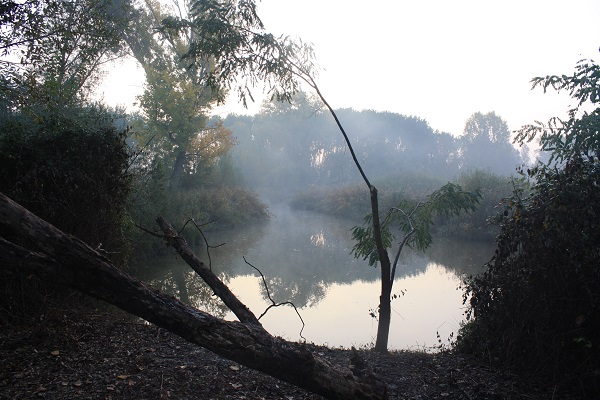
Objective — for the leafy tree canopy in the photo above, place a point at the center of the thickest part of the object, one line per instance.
(486, 127)
(231, 35)
(176, 100)
(485, 143)
(51, 50)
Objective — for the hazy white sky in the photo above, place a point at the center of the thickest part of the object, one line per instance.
(441, 60)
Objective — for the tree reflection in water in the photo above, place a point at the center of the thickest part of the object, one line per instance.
(306, 259)
(172, 275)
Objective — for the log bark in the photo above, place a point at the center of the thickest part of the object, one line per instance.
(65, 259)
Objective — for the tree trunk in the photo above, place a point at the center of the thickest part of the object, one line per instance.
(67, 260)
(175, 178)
(385, 317)
(383, 326)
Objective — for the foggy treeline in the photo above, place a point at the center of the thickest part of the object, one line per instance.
(286, 148)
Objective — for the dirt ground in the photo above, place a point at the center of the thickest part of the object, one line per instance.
(95, 355)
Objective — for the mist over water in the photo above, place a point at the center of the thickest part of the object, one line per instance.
(306, 259)
(293, 157)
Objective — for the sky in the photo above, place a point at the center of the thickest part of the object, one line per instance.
(439, 60)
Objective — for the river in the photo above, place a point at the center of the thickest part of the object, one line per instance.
(306, 260)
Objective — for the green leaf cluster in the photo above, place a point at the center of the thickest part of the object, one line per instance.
(413, 219)
(230, 35)
(577, 134)
(51, 50)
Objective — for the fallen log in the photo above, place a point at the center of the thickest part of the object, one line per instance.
(67, 260)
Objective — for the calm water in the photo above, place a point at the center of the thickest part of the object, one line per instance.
(305, 258)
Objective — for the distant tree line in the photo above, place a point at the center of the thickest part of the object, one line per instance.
(295, 146)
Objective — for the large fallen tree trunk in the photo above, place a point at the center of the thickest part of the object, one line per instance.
(65, 259)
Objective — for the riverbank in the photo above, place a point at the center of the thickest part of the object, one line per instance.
(95, 355)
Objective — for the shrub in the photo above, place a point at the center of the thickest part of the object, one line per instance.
(69, 168)
(353, 201)
(537, 306)
(346, 201)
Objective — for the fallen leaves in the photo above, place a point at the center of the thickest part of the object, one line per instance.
(108, 359)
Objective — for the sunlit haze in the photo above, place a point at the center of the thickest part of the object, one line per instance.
(438, 60)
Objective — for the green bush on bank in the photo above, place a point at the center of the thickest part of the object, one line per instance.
(69, 168)
(476, 225)
(345, 201)
(353, 201)
(536, 307)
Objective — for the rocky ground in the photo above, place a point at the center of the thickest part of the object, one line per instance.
(94, 355)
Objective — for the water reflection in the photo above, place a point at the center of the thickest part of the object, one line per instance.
(318, 239)
(172, 275)
(306, 258)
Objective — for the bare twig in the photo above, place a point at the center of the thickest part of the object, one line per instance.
(208, 246)
(273, 303)
(137, 153)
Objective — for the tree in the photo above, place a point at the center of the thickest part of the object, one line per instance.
(414, 220)
(536, 307)
(485, 143)
(52, 50)
(174, 103)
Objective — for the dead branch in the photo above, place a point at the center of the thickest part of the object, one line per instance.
(275, 304)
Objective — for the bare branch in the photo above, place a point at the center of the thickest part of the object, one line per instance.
(208, 246)
(219, 288)
(273, 303)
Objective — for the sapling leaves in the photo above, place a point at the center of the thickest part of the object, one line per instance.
(412, 220)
